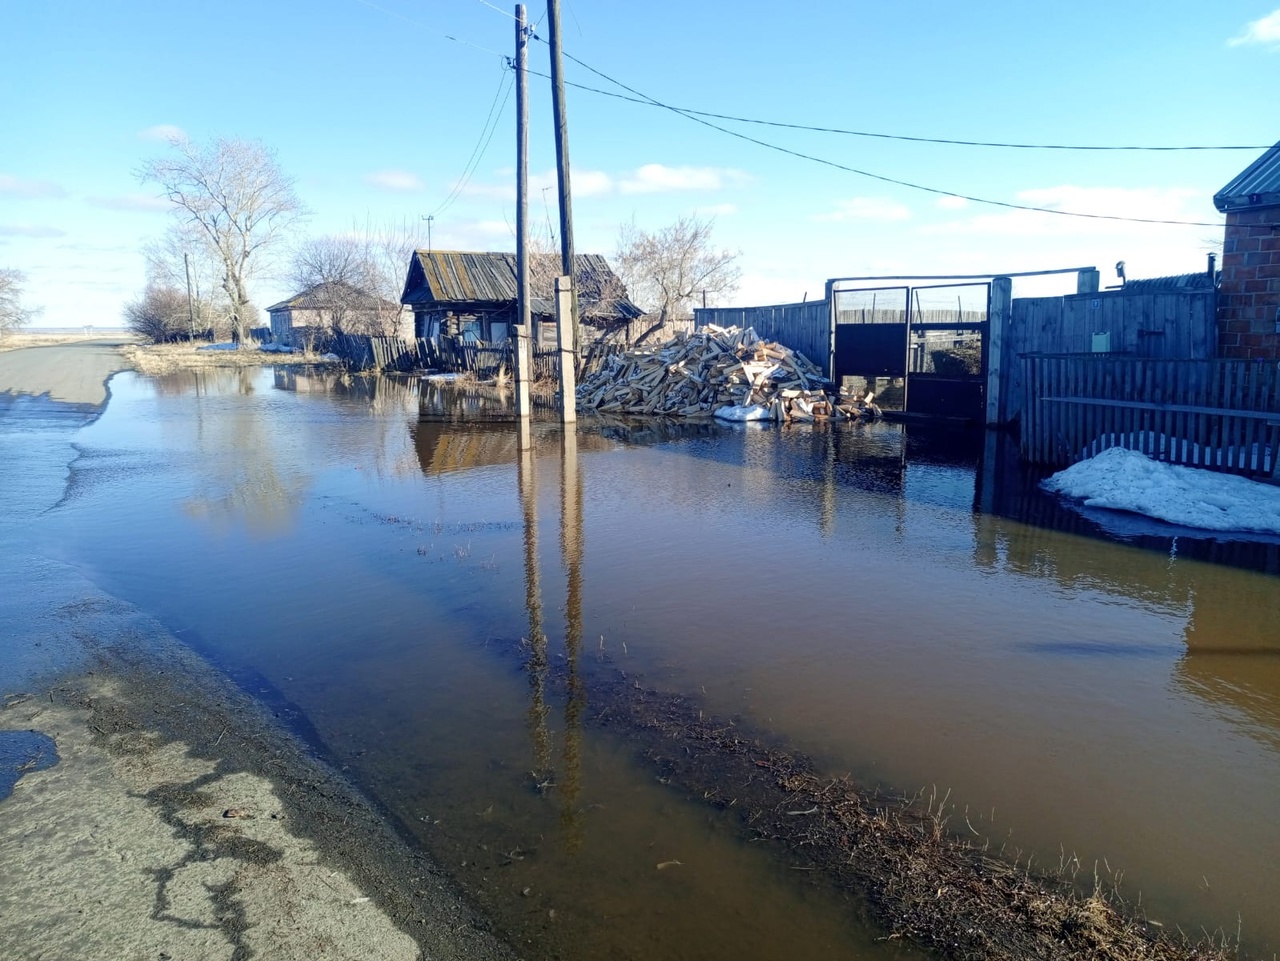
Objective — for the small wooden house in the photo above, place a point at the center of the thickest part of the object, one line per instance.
(473, 295)
(335, 306)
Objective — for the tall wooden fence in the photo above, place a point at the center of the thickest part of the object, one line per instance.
(1219, 414)
(1160, 324)
(804, 327)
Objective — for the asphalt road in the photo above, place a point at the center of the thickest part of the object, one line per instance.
(74, 373)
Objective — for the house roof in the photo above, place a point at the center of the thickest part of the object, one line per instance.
(1196, 281)
(1258, 185)
(463, 278)
(325, 295)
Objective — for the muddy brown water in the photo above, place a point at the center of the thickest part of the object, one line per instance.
(368, 556)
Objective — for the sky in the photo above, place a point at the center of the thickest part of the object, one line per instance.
(378, 109)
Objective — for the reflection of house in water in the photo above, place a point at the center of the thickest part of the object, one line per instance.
(445, 446)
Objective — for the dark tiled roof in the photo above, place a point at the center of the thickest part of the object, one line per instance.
(1258, 185)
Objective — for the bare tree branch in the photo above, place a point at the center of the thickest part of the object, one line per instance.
(236, 195)
(669, 271)
(13, 315)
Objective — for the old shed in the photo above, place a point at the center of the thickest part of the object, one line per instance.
(472, 295)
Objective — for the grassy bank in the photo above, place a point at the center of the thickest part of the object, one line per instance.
(167, 358)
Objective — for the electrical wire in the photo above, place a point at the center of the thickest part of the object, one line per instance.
(689, 111)
(506, 80)
(937, 191)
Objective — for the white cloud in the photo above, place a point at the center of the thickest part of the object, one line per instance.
(1145, 203)
(401, 181)
(585, 183)
(866, 208)
(35, 231)
(21, 187)
(590, 183)
(659, 178)
(142, 203)
(952, 203)
(1265, 31)
(163, 132)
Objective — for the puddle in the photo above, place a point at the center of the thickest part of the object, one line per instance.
(23, 753)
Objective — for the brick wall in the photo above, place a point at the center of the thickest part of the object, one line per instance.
(1249, 295)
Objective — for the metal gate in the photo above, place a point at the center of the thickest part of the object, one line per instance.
(923, 350)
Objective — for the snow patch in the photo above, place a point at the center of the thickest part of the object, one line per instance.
(1126, 480)
(738, 413)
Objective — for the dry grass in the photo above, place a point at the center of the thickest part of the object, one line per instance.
(924, 883)
(23, 339)
(167, 358)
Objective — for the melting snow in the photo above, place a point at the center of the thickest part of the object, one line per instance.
(1127, 480)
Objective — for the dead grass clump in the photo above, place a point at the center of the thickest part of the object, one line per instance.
(17, 341)
(921, 882)
(168, 358)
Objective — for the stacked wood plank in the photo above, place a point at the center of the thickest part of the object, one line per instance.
(710, 370)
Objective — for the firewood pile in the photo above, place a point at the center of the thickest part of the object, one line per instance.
(726, 372)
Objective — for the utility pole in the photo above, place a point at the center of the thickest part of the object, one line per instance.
(562, 161)
(523, 313)
(191, 310)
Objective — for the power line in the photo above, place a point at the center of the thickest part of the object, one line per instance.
(881, 177)
(482, 143)
(689, 111)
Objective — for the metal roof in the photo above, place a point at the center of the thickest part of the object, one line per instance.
(1258, 185)
(465, 278)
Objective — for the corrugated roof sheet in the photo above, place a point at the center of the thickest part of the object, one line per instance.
(449, 277)
(1258, 185)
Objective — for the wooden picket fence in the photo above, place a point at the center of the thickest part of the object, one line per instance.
(451, 355)
(1219, 414)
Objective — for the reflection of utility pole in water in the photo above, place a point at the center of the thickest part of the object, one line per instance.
(831, 437)
(537, 664)
(576, 703)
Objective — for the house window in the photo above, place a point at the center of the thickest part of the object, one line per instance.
(498, 332)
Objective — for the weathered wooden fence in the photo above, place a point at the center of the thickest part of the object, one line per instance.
(1164, 324)
(804, 327)
(1219, 414)
(452, 355)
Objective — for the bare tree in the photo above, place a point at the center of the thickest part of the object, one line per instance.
(668, 271)
(356, 279)
(167, 268)
(160, 314)
(239, 198)
(13, 315)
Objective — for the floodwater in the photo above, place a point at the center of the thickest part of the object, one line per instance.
(373, 557)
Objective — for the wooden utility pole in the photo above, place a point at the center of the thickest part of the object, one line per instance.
(523, 313)
(191, 309)
(564, 333)
(562, 158)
